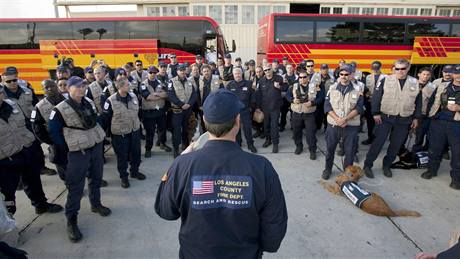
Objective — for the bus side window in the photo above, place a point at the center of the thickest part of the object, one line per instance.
(426, 29)
(455, 30)
(337, 31)
(14, 35)
(181, 36)
(126, 30)
(49, 31)
(383, 33)
(93, 30)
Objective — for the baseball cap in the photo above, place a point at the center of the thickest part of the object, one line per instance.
(376, 64)
(251, 62)
(120, 71)
(275, 60)
(152, 69)
(181, 67)
(456, 69)
(212, 63)
(238, 59)
(162, 64)
(75, 81)
(347, 68)
(88, 69)
(61, 68)
(199, 56)
(324, 66)
(172, 55)
(228, 55)
(285, 58)
(447, 69)
(221, 106)
(11, 70)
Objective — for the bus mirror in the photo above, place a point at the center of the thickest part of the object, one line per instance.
(209, 35)
(136, 55)
(233, 46)
(56, 55)
(92, 55)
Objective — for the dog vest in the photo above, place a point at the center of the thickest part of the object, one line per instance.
(354, 193)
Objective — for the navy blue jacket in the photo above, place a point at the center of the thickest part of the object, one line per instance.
(359, 105)
(230, 202)
(243, 89)
(269, 97)
(173, 98)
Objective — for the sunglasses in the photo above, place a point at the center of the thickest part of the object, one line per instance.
(11, 81)
(302, 77)
(265, 70)
(344, 74)
(400, 68)
(138, 65)
(152, 72)
(310, 66)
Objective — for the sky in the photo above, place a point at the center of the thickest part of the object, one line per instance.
(26, 8)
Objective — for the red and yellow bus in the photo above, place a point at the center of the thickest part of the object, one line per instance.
(329, 38)
(34, 46)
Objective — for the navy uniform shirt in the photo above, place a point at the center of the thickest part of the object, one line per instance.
(344, 90)
(243, 89)
(269, 97)
(376, 102)
(443, 113)
(206, 90)
(230, 202)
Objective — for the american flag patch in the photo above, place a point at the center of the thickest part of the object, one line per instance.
(203, 187)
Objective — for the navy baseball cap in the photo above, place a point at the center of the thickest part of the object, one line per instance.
(120, 71)
(447, 69)
(61, 68)
(456, 69)
(75, 81)
(11, 70)
(376, 65)
(324, 66)
(347, 68)
(88, 70)
(162, 64)
(181, 67)
(275, 60)
(238, 59)
(152, 69)
(221, 106)
(285, 58)
(228, 55)
(251, 62)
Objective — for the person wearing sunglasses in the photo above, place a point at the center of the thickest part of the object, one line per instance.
(73, 126)
(100, 89)
(89, 75)
(139, 74)
(303, 98)
(343, 106)
(444, 112)
(269, 101)
(396, 107)
(154, 95)
(227, 69)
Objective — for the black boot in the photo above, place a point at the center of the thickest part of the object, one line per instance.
(455, 185)
(326, 174)
(428, 175)
(125, 183)
(275, 148)
(252, 148)
(101, 210)
(73, 231)
(298, 150)
(368, 172)
(148, 153)
(165, 147)
(267, 143)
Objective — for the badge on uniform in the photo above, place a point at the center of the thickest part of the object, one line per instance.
(354, 95)
(143, 87)
(412, 88)
(33, 114)
(135, 101)
(52, 114)
(170, 86)
(106, 105)
(245, 88)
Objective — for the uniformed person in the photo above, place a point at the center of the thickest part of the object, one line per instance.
(323, 84)
(172, 66)
(73, 125)
(278, 69)
(120, 112)
(25, 99)
(21, 82)
(139, 74)
(154, 95)
(198, 62)
(183, 96)
(62, 87)
(343, 106)
(371, 81)
(62, 72)
(163, 78)
(194, 187)
(89, 75)
(208, 83)
(269, 100)
(445, 127)
(40, 117)
(255, 85)
(243, 89)
(396, 106)
(303, 98)
(226, 71)
(20, 158)
(97, 89)
(289, 78)
(428, 88)
(250, 73)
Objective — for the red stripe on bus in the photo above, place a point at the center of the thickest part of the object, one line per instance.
(19, 61)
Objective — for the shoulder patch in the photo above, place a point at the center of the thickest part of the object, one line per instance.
(53, 112)
(170, 85)
(106, 105)
(33, 115)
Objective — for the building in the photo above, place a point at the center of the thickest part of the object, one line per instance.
(239, 19)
